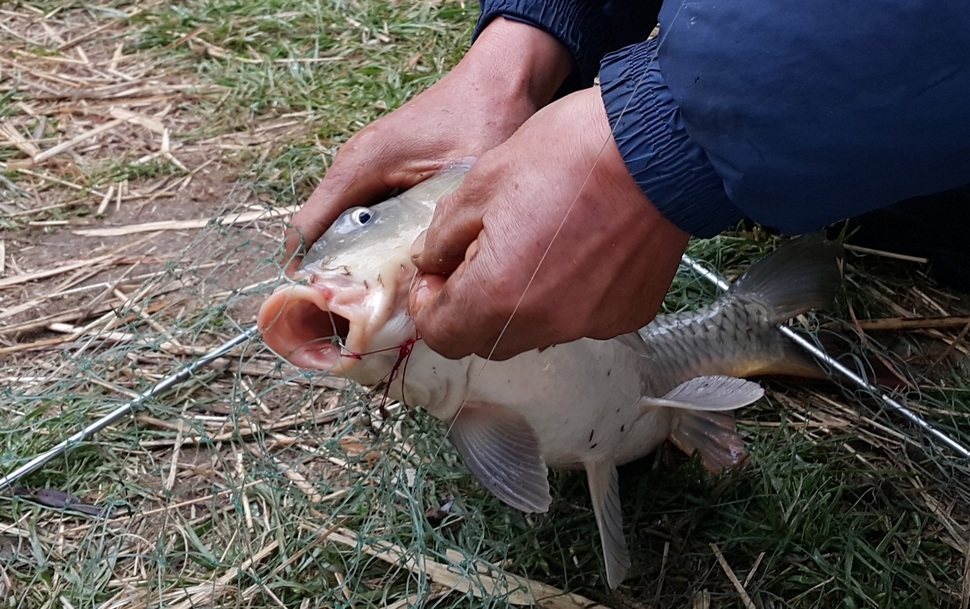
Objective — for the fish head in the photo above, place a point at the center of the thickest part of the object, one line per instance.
(345, 310)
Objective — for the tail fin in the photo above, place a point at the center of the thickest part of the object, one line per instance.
(801, 275)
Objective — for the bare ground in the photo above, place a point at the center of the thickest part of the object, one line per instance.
(256, 485)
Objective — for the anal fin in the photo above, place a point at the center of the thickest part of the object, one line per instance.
(711, 434)
(500, 447)
(604, 490)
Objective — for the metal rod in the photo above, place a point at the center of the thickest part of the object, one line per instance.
(162, 386)
(828, 360)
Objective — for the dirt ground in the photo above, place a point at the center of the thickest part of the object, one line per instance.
(96, 137)
(260, 485)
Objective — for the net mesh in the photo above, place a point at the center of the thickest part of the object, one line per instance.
(255, 484)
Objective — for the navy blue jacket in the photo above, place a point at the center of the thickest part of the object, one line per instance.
(793, 113)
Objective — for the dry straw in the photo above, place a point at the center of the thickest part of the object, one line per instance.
(124, 129)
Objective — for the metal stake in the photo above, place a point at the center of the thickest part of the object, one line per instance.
(162, 386)
(828, 360)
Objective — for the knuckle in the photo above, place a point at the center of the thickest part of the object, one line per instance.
(368, 142)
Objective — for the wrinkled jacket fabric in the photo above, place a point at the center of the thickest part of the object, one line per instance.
(794, 114)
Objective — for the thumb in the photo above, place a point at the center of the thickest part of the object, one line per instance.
(455, 225)
(446, 311)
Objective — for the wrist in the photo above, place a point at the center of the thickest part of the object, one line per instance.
(521, 61)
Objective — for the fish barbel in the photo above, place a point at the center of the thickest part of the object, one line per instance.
(590, 404)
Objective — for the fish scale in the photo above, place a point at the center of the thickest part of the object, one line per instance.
(732, 338)
(588, 404)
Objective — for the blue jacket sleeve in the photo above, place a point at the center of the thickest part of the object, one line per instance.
(794, 114)
(588, 28)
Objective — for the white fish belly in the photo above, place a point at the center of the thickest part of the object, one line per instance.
(580, 398)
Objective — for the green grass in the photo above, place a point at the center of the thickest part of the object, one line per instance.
(333, 66)
(839, 506)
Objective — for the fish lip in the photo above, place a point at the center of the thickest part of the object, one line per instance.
(297, 323)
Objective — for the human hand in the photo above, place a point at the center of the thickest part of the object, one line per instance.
(549, 239)
(512, 70)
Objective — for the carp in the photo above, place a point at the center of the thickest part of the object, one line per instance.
(587, 404)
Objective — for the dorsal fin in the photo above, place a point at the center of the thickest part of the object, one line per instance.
(801, 275)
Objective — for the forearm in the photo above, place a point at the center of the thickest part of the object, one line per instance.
(517, 61)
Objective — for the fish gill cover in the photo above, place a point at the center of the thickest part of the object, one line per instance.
(127, 128)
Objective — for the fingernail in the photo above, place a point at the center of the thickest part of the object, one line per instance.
(417, 248)
(420, 294)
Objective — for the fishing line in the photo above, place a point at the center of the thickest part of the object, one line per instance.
(589, 175)
(562, 224)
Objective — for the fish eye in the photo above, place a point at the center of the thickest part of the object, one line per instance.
(361, 216)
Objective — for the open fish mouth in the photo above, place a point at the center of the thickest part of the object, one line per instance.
(312, 326)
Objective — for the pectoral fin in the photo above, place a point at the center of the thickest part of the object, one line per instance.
(604, 489)
(710, 393)
(500, 447)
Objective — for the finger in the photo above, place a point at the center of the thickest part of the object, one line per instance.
(456, 224)
(337, 192)
(427, 299)
(424, 289)
(345, 186)
(455, 325)
(449, 313)
(469, 311)
(294, 246)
